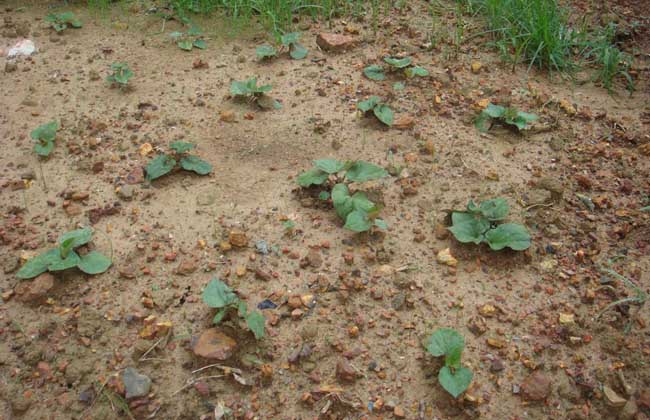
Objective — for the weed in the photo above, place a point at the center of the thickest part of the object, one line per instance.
(610, 62)
(219, 296)
(61, 21)
(508, 116)
(376, 72)
(120, 75)
(480, 224)
(378, 108)
(288, 42)
(44, 136)
(640, 297)
(453, 377)
(358, 212)
(258, 94)
(165, 163)
(190, 39)
(64, 257)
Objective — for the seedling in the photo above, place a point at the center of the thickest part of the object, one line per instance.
(258, 94)
(509, 116)
(480, 224)
(62, 21)
(121, 75)
(453, 377)
(358, 212)
(190, 39)
(640, 296)
(165, 163)
(45, 135)
(288, 42)
(378, 108)
(405, 65)
(219, 296)
(64, 257)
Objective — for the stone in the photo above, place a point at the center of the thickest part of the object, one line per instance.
(125, 192)
(136, 176)
(213, 344)
(23, 48)
(536, 387)
(238, 238)
(404, 122)
(445, 257)
(10, 67)
(399, 412)
(135, 384)
(476, 67)
(345, 372)
(612, 398)
(644, 399)
(314, 259)
(187, 266)
(629, 411)
(566, 319)
(335, 42)
(227, 116)
(35, 291)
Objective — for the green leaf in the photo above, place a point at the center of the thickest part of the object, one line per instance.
(94, 263)
(313, 176)
(324, 195)
(416, 71)
(331, 166)
(181, 146)
(63, 263)
(218, 295)
(79, 237)
(297, 51)
(185, 44)
(265, 51)
(176, 34)
(527, 117)
(360, 202)
(368, 104)
(445, 341)
(121, 73)
(195, 31)
(399, 63)
(159, 166)
(44, 148)
(242, 88)
(38, 265)
(511, 235)
(256, 321)
(358, 221)
(196, 164)
(342, 201)
(483, 122)
(200, 44)
(495, 209)
(494, 111)
(45, 132)
(362, 171)
(399, 86)
(242, 309)
(466, 227)
(457, 382)
(384, 114)
(290, 38)
(75, 23)
(219, 315)
(374, 72)
(381, 224)
(522, 119)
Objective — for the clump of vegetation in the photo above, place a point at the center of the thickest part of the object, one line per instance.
(62, 21)
(379, 109)
(165, 163)
(405, 65)
(45, 135)
(288, 42)
(121, 73)
(453, 377)
(64, 257)
(219, 296)
(480, 223)
(358, 212)
(190, 39)
(249, 90)
(611, 63)
(507, 116)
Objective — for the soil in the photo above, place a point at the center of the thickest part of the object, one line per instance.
(354, 350)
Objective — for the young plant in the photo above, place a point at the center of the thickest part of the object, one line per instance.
(288, 42)
(248, 89)
(62, 21)
(358, 212)
(453, 377)
(219, 296)
(44, 136)
(120, 75)
(165, 163)
(509, 116)
(190, 39)
(64, 257)
(376, 72)
(480, 224)
(378, 108)
(640, 296)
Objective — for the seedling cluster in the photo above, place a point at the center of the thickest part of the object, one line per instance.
(44, 136)
(288, 42)
(404, 65)
(165, 163)
(508, 116)
(453, 377)
(379, 109)
(249, 90)
(190, 39)
(121, 73)
(61, 21)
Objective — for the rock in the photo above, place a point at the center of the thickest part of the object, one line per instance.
(440, 231)
(567, 107)
(73, 209)
(567, 319)
(202, 388)
(445, 257)
(23, 48)
(335, 42)
(644, 399)
(135, 384)
(10, 67)
(404, 122)
(345, 372)
(125, 192)
(536, 387)
(476, 67)
(238, 238)
(314, 259)
(629, 411)
(136, 176)
(399, 412)
(35, 291)
(612, 398)
(187, 266)
(213, 344)
(227, 116)
(497, 366)
(553, 185)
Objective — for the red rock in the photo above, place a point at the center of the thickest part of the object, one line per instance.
(335, 42)
(136, 176)
(35, 291)
(213, 344)
(202, 388)
(536, 387)
(404, 122)
(345, 372)
(187, 266)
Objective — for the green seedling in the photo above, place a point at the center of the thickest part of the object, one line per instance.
(358, 212)
(453, 377)
(378, 108)
(120, 75)
(405, 65)
(190, 39)
(248, 89)
(509, 116)
(62, 21)
(44, 136)
(219, 296)
(640, 296)
(288, 42)
(481, 224)
(64, 257)
(164, 163)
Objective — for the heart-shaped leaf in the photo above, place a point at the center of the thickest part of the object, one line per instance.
(455, 382)
(331, 166)
(185, 44)
(374, 72)
(265, 51)
(399, 63)
(494, 209)
(466, 227)
(94, 263)
(79, 237)
(256, 321)
(313, 176)
(195, 164)
(46, 132)
(384, 114)
(64, 263)
(181, 146)
(159, 166)
(509, 235)
(297, 51)
(369, 104)
(358, 221)
(362, 171)
(200, 44)
(416, 71)
(217, 294)
(39, 264)
(44, 148)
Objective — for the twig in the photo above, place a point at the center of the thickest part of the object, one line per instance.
(152, 347)
(195, 380)
(222, 367)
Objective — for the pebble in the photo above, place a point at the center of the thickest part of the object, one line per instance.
(213, 344)
(536, 387)
(35, 291)
(613, 399)
(237, 238)
(335, 42)
(135, 384)
(345, 372)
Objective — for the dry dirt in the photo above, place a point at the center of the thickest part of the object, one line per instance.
(59, 358)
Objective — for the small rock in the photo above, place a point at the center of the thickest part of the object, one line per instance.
(566, 319)
(23, 48)
(644, 399)
(399, 412)
(213, 344)
(238, 238)
(135, 384)
(613, 399)
(125, 192)
(345, 372)
(536, 387)
(202, 388)
(497, 366)
(227, 116)
(10, 67)
(445, 257)
(440, 231)
(314, 259)
(35, 291)
(404, 122)
(335, 42)
(187, 266)
(476, 67)
(136, 176)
